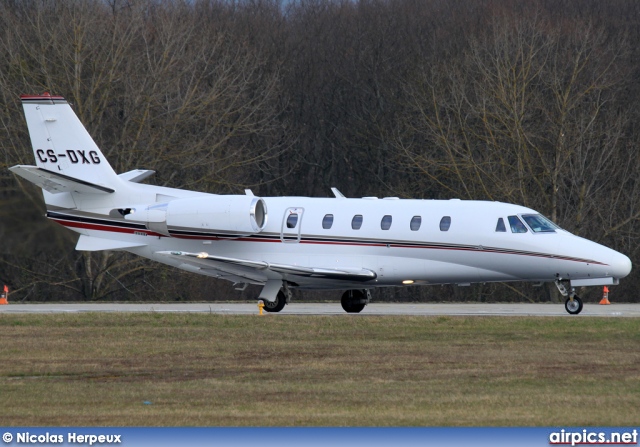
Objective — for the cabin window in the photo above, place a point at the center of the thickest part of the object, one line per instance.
(292, 220)
(327, 221)
(385, 223)
(500, 226)
(539, 224)
(516, 225)
(416, 221)
(356, 222)
(445, 223)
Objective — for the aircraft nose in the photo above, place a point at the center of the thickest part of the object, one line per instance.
(620, 265)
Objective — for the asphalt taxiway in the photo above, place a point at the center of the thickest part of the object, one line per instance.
(302, 308)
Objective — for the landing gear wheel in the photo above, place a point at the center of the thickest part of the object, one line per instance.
(277, 305)
(353, 301)
(573, 307)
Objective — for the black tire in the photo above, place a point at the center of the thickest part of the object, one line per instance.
(277, 305)
(573, 307)
(353, 301)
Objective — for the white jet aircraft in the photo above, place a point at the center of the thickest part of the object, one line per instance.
(302, 242)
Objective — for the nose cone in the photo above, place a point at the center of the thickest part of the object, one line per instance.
(620, 265)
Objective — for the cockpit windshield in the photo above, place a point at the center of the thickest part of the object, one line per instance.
(539, 224)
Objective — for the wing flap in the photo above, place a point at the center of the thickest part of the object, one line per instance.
(220, 274)
(345, 273)
(248, 271)
(55, 182)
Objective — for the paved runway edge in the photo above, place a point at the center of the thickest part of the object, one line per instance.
(301, 308)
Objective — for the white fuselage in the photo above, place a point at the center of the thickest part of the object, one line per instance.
(469, 251)
(283, 242)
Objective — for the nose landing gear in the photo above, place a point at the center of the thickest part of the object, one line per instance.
(573, 303)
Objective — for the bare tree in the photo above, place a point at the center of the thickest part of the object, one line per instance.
(157, 85)
(524, 116)
(525, 101)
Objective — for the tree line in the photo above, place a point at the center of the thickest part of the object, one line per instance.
(523, 101)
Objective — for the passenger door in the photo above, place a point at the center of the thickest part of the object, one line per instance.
(290, 230)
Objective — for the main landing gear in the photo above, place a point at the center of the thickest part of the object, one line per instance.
(276, 305)
(353, 301)
(573, 303)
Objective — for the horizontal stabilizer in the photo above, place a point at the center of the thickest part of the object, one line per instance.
(89, 243)
(55, 183)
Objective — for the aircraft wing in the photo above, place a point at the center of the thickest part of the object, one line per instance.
(55, 182)
(345, 273)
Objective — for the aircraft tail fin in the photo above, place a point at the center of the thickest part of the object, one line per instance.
(67, 158)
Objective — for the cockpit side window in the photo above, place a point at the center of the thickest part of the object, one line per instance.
(516, 225)
(500, 226)
(539, 224)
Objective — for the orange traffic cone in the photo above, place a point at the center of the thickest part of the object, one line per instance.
(605, 296)
(5, 294)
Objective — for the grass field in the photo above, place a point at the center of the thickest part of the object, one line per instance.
(215, 370)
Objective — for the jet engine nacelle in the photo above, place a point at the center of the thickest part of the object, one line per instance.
(236, 215)
(224, 214)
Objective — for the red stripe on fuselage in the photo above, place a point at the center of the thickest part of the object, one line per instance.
(98, 227)
(116, 229)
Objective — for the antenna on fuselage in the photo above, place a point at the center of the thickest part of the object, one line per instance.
(337, 193)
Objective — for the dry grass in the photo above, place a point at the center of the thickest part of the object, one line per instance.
(215, 370)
